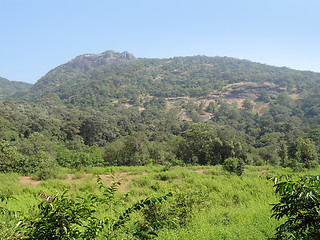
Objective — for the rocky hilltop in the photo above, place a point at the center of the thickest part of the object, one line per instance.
(88, 62)
(81, 65)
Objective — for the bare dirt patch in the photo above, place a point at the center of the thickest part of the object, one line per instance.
(263, 171)
(25, 180)
(200, 170)
(294, 96)
(125, 178)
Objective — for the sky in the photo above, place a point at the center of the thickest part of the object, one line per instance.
(38, 35)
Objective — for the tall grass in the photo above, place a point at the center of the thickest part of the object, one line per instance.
(235, 207)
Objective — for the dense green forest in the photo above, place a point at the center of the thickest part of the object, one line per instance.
(113, 109)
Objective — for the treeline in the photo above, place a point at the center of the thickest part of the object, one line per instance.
(38, 138)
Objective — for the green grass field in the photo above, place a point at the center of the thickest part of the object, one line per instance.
(209, 202)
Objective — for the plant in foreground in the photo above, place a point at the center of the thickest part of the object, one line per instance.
(8, 219)
(114, 223)
(61, 217)
(4, 211)
(300, 204)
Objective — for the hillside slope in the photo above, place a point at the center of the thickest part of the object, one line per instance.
(8, 88)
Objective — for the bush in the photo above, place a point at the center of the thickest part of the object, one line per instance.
(181, 208)
(234, 165)
(48, 169)
(61, 217)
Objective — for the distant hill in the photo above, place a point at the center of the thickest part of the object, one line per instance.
(8, 88)
(98, 79)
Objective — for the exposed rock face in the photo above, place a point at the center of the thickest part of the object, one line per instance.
(87, 62)
(248, 90)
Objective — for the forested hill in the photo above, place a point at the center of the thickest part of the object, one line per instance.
(10, 87)
(115, 109)
(95, 80)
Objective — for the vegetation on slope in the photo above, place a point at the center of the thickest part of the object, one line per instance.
(7, 88)
(88, 80)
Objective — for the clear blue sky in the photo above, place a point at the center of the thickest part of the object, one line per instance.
(38, 35)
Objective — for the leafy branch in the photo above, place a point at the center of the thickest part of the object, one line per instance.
(300, 204)
(6, 212)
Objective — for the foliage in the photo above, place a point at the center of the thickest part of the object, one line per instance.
(299, 204)
(4, 211)
(47, 168)
(179, 210)
(247, 105)
(9, 157)
(114, 223)
(8, 219)
(204, 144)
(63, 217)
(303, 149)
(234, 165)
(8, 88)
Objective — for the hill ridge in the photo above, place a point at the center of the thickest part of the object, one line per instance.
(7, 87)
(98, 79)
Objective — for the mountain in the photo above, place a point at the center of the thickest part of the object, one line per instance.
(98, 79)
(142, 110)
(8, 88)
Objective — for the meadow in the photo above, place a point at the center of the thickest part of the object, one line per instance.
(206, 203)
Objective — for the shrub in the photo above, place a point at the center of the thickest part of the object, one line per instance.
(62, 217)
(234, 165)
(48, 169)
(180, 209)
